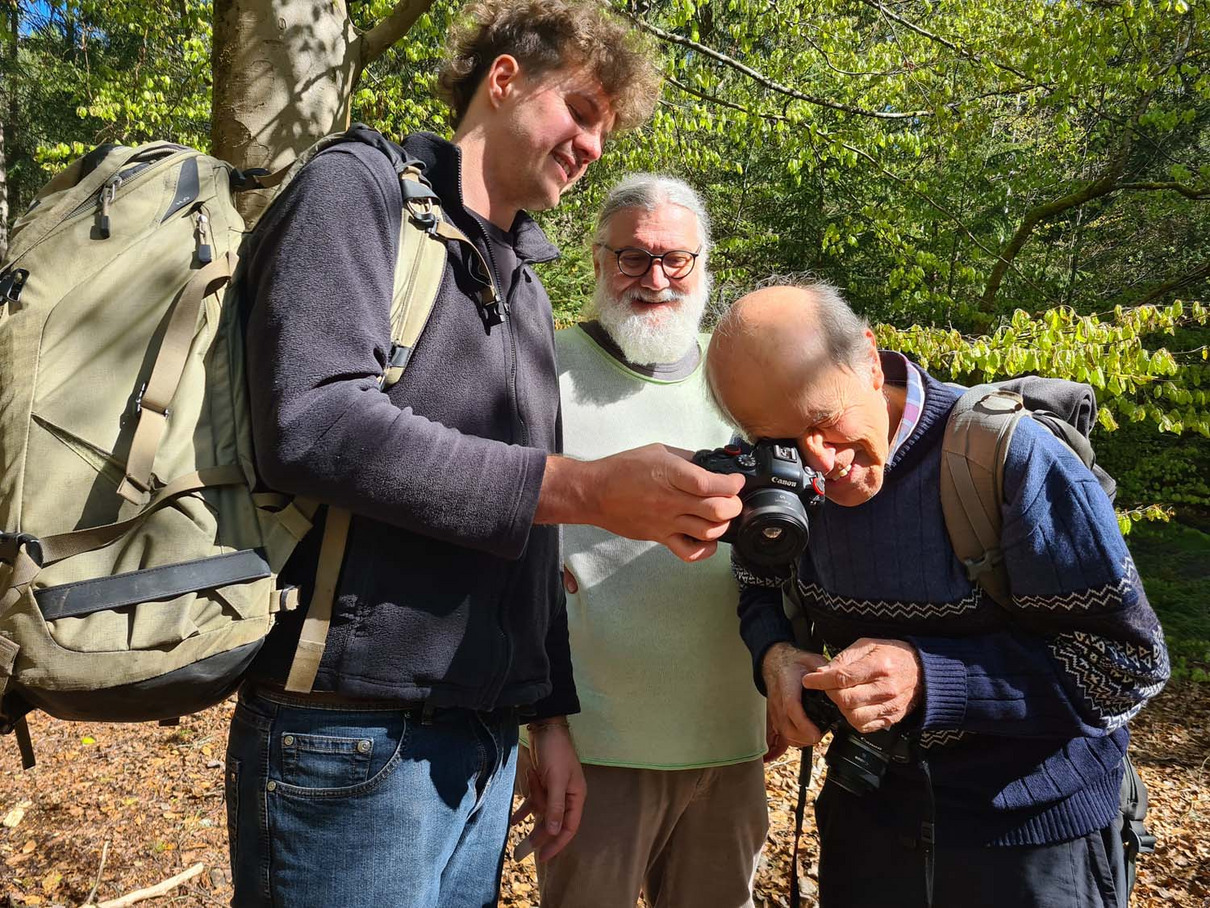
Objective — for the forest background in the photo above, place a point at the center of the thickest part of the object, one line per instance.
(1002, 186)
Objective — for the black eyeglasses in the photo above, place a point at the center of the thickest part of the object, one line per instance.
(635, 262)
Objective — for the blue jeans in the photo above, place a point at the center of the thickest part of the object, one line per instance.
(341, 806)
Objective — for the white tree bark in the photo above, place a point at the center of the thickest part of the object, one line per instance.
(284, 73)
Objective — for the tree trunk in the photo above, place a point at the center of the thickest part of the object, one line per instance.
(283, 77)
(8, 67)
(3, 198)
(284, 73)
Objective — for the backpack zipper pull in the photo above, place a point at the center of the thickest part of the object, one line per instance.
(109, 192)
(204, 253)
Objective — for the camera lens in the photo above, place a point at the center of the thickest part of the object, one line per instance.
(854, 764)
(772, 528)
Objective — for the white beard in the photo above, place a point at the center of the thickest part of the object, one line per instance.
(655, 336)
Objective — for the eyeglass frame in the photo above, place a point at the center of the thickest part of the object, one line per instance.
(652, 258)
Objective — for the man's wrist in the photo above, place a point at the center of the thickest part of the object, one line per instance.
(566, 494)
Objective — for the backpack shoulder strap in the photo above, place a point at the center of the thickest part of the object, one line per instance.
(419, 267)
(977, 437)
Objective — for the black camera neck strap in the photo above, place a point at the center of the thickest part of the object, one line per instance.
(804, 632)
(928, 830)
(804, 782)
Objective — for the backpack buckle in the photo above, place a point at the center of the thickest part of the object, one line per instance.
(245, 180)
(14, 543)
(11, 285)
(137, 406)
(421, 211)
(976, 567)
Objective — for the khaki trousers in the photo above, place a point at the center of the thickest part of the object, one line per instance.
(685, 838)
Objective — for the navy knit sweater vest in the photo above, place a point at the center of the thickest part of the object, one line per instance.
(1025, 707)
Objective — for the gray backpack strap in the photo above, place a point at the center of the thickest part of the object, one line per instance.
(419, 267)
(977, 437)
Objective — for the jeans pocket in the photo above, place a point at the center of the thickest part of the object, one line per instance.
(325, 761)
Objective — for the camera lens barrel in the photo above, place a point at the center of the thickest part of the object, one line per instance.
(772, 528)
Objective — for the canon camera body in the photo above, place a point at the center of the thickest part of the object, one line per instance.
(772, 528)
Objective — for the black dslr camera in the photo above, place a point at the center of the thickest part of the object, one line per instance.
(856, 762)
(778, 488)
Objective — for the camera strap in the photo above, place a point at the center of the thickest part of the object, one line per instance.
(928, 831)
(804, 633)
(805, 765)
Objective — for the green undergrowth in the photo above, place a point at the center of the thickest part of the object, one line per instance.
(1174, 562)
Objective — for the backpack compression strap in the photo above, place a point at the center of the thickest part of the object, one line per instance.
(155, 399)
(977, 436)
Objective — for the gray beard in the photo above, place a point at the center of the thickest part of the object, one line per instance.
(656, 337)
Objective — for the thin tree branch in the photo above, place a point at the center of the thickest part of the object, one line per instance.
(769, 83)
(390, 29)
(844, 72)
(152, 892)
(1200, 272)
(962, 51)
(1187, 191)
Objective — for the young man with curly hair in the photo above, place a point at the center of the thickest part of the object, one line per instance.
(390, 783)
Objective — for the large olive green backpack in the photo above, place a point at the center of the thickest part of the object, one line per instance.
(138, 553)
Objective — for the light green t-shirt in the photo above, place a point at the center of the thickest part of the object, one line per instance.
(664, 680)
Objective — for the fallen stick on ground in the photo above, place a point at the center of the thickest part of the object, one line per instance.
(151, 892)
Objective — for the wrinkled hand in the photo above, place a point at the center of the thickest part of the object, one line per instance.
(652, 493)
(875, 683)
(783, 670)
(775, 744)
(555, 788)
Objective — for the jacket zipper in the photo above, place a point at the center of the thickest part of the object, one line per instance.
(497, 682)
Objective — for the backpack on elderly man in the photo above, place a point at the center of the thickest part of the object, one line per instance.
(974, 449)
(138, 553)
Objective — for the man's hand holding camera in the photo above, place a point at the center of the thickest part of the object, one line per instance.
(784, 668)
(874, 683)
(652, 493)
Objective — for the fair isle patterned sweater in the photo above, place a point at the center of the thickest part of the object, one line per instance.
(1023, 719)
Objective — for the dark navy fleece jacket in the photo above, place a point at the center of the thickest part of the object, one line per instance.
(1024, 714)
(449, 594)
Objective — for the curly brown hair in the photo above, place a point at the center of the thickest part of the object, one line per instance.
(548, 34)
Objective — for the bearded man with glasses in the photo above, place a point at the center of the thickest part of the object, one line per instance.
(671, 732)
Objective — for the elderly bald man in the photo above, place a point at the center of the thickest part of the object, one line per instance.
(1015, 718)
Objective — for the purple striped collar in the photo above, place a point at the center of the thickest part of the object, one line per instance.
(911, 408)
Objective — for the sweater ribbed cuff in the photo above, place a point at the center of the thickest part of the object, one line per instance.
(945, 687)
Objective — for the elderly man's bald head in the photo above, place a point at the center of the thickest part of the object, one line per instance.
(795, 363)
(786, 333)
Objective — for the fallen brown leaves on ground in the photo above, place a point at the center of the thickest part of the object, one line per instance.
(155, 795)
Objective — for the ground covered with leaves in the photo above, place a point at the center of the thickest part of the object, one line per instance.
(120, 808)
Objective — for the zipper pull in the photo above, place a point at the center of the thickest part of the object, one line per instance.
(204, 253)
(109, 192)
